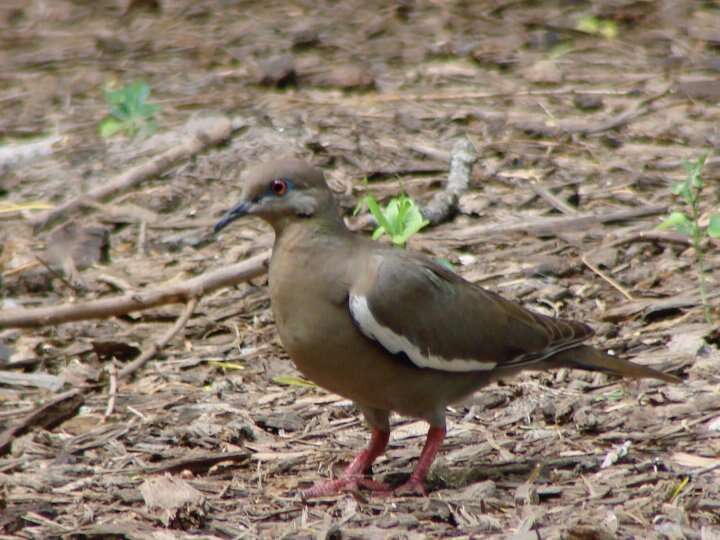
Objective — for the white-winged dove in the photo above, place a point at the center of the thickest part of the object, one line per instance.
(390, 329)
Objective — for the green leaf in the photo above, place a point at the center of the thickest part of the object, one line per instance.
(446, 263)
(678, 187)
(377, 213)
(115, 97)
(148, 110)
(289, 380)
(222, 364)
(593, 25)
(400, 219)
(392, 215)
(110, 126)
(684, 190)
(694, 170)
(413, 223)
(588, 24)
(128, 106)
(713, 228)
(358, 207)
(140, 90)
(608, 29)
(678, 221)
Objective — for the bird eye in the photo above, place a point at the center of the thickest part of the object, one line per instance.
(279, 187)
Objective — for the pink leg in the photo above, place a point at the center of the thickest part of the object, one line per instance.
(433, 442)
(352, 477)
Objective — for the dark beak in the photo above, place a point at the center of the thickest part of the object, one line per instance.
(234, 213)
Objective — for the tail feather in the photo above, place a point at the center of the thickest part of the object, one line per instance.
(590, 359)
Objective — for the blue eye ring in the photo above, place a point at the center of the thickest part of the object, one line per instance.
(279, 187)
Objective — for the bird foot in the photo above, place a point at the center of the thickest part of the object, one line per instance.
(344, 484)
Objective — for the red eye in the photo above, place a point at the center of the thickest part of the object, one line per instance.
(278, 187)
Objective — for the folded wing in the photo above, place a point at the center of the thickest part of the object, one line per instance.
(412, 305)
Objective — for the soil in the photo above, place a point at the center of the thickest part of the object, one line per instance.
(216, 436)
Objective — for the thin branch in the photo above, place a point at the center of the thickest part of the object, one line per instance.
(462, 96)
(121, 305)
(13, 155)
(112, 391)
(143, 359)
(47, 415)
(444, 203)
(543, 226)
(553, 200)
(203, 133)
(651, 236)
(615, 284)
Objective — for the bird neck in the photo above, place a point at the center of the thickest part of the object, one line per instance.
(326, 223)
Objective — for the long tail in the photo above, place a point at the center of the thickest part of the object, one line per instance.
(590, 359)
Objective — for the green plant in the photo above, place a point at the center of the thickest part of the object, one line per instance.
(591, 24)
(400, 219)
(690, 191)
(129, 111)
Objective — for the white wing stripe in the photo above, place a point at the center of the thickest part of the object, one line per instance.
(396, 343)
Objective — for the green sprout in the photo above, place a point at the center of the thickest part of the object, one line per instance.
(400, 219)
(597, 27)
(129, 111)
(690, 191)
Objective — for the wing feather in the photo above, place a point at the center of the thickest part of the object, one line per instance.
(412, 305)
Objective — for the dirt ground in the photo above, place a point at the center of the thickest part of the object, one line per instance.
(215, 436)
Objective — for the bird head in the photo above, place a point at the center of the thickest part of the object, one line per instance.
(281, 191)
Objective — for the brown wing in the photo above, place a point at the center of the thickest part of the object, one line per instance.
(441, 321)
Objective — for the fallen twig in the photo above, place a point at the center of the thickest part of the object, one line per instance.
(121, 305)
(112, 390)
(141, 360)
(461, 96)
(544, 226)
(651, 236)
(607, 278)
(204, 133)
(17, 154)
(585, 127)
(444, 203)
(48, 415)
(552, 200)
(66, 405)
(675, 163)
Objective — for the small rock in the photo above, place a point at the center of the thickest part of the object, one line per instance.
(304, 35)
(278, 71)
(174, 502)
(526, 494)
(555, 293)
(544, 71)
(708, 89)
(287, 421)
(347, 77)
(588, 102)
(550, 266)
(606, 257)
(110, 44)
(83, 245)
(588, 532)
(585, 419)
